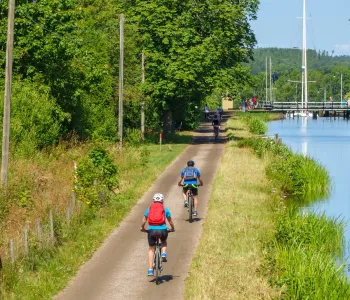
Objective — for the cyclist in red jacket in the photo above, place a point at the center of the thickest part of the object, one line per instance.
(156, 215)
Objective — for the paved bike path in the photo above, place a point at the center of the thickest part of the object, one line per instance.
(118, 268)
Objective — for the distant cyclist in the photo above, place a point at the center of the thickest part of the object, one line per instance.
(156, 215)
(216, 125)
(190, 176)
(220, 111)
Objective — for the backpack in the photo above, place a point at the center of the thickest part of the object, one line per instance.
(190, 174)
(156, 214)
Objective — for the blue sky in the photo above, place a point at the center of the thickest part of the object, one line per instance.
(328, 28)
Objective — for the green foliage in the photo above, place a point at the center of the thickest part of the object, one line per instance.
(301, 257)
(297, 175)
(133, 137)
(191, 48)
(36, 119)
(97, 176)
(145, 155)
(324, 71)
(255, 124)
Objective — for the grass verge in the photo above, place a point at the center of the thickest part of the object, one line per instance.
(239, 219)
(45, 272)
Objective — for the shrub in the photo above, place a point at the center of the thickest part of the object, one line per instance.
(97, 176)
(133, 137)
(36, 119)
(256, 125)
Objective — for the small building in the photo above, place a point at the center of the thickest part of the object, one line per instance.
(227, 103)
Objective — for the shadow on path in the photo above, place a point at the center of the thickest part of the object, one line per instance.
(164, 278)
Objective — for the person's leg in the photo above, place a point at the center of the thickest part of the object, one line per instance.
(195, 198)
(164, 244)
(151, 251)
(184, 195)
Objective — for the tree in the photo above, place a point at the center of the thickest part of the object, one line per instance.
(191, 49)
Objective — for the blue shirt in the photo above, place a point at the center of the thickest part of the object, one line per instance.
(190, 181)
(158, 227)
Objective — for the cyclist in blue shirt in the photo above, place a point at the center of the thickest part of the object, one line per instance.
(190, 176)
(156, 215)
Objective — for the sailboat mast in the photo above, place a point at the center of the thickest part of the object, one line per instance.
(266, 97)
(305, 56)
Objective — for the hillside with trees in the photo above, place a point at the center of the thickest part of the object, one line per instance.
(325, 69)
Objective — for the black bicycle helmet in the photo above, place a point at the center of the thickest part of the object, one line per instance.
(190, 163)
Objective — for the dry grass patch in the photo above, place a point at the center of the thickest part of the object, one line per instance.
(49, 271)
(227, 261)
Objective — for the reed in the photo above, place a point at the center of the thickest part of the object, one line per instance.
(296, 175)
(255, 124)
(302, 257)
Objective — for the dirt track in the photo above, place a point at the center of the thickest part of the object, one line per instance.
(118, 269)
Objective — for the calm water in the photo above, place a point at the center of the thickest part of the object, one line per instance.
(328, 141)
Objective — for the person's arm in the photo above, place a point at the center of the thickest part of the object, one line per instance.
(171, 223)
(200, 180)
(143, 223)
(180, 181)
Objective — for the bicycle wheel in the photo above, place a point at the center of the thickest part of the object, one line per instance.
(190, 208)
(157, 263)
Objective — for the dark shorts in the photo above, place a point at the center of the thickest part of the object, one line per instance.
(194, 190)
(152, 234)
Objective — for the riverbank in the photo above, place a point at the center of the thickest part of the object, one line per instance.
(255, 246)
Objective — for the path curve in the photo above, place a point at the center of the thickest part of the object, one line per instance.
(118, 268)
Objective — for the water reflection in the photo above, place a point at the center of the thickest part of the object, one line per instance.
(304, 148)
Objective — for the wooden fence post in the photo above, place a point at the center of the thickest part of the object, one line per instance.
(73, 202)
(26, 250)
(38, 232)
(68, 213)
(52, 234)
(12, 251)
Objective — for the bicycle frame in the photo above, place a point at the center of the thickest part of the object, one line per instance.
(157, 260)
(157, 265)
(216, 131)
(190, 202)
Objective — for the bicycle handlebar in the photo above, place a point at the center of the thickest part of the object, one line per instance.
(168, 229)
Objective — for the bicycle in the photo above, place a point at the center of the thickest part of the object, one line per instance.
(157, 262)
(216, 131)
(190, 202)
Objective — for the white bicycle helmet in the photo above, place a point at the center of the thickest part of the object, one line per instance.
(158, 198)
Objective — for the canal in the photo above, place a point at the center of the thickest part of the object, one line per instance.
(328, 141)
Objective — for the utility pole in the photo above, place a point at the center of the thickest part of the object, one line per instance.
(7, 98)
(143, 97)
(341, 86)
(266, 97)
(270, 79)
(121, 81)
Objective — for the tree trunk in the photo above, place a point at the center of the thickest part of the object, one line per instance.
(168, 124)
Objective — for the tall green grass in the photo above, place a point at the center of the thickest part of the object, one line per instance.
(256, 124)
(296, 175)
(302, 257)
